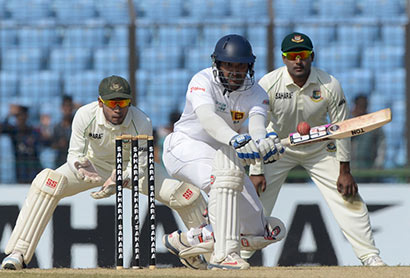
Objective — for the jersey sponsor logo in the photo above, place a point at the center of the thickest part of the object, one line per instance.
(196, 89)
(95, 135)
(265, 101)
(220, 106)
(284, 95)
(51, 183)
(237, 116)
(316, 96)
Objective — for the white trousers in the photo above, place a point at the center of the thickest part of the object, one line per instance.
(191, 161)
(351, 213)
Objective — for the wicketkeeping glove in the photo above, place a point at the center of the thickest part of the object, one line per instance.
(109, 187)
(246, 148)
(270, 148)
(86, 171)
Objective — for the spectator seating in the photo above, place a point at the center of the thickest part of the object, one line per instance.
(22, 60)
(360, 34)
(74, 11)
(43, 35)
(7, 164)
(213, 32)
(249, 10)
(113, 12)
(93, 34)
(393, 35)
(162, 10)
(119, 36)
(356, 81)
(382, 58)
(176, 35)
(112, 59)
(321, 35)
(8, 85)
(337, 58)
(69, 60)
(285, 9)
(204, 10)
(381, 8)
(198, 58)
(339, 9)
(28, 11)
(392, 84)
(83, 85)
(40, 86)
(160, 58)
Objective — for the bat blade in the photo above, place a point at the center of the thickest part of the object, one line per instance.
(348, 128)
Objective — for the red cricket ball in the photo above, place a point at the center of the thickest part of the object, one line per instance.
(303, 128)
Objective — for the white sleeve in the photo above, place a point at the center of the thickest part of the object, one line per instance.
(78, 142)
(213, 124)
(257, 128)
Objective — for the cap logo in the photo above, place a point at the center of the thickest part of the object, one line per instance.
(297, 39)
(115, 87)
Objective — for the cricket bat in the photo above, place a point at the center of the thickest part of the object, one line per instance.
(348, 128)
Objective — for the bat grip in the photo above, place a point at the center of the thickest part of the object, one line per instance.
(285, 142)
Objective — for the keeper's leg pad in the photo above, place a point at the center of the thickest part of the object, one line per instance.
(186, 199)
(41, 201)
(226, 185)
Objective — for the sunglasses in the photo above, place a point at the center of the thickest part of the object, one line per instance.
(300, 54)
(113, 103)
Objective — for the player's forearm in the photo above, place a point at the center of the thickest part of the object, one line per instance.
(344, 167)
(257, 128)
(214, 125)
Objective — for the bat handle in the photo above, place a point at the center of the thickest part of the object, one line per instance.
(285, 142)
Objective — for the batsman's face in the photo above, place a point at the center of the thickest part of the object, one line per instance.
(114, 115)
(234, 74)
(299, 68)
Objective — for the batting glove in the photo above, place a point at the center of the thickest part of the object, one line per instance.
(270, 148)
(86, 171)
(246, 148)
(109, 187)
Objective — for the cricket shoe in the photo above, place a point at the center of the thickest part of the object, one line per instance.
(374, 260)
(14, 261)
(174, 243)
(232, 261)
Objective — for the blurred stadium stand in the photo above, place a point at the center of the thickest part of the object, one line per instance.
(54, 47)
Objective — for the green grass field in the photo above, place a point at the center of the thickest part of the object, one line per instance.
(254, 272)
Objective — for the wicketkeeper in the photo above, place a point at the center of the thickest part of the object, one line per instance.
(90, 164)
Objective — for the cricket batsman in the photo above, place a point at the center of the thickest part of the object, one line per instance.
(209, 150)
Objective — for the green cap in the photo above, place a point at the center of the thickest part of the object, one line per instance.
(296, 41)
(114, 87)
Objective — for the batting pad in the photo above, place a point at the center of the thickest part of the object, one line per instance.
(226, 185)
(41, 201)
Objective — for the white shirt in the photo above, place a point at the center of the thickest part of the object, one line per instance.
(320, 98)
(234, 108)
(94, 137)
